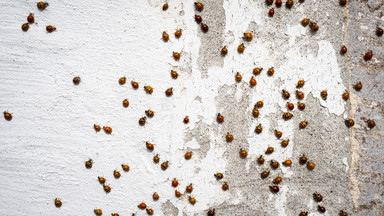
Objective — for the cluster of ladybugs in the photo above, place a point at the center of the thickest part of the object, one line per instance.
(278, 3)
(31, 19)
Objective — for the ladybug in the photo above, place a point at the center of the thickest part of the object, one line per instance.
(135, 84)
(271, 71)
(290, 106)
(107, 129)
(269, 150)
(345, 95)
(155, 196)
(177, 193)
(274, 188)
(252, 81)
(317, 197)
(303, 159)
(204, 27)
(260, 160)
(142, 120)
(149, 146)
(224, 51)
(241, 48)
(186, 120)
(165, 36)
(175, 183)
(116, 174)
(8, 116)
(303, 124)
(50, 28)
(98, 212)
(287, 162)
(379, 32)
(301, 1)
(343, 49)
(343, 213)
(174, 74)
(192, 200)
(257, 71)
(178, 33)
(274, 164)
(76, 80)
(301, 106)
(278, 3)
(304, 22)
(125, 103)
(89, 163)
(220, 118)
(324, 94)
(285, 94)
(238, 77)
(156, 158)
(101, 180)
(176, 56)
(371, 123)
(343, 2)
(225, 186)
(255, 112)
(303, 214)
(349, 122)
(189, 188)
(277, 180)
(321, 209)
(259, 129)
(269, 2)
(199, 6)
(58, 203)
(188, 155)
(149, 211)
(211, 212)
(142, 206)
(25, 27)
(248, 36)
(278, 134)
(243, 153)
(358, 86)
(300, 84)
(122, 80)
(107, 188)
(314, 27)
(31, 18)
(289, 4)
(148, 89)
(115, 214)
(368, 55)
(198, 19)
(229, 137)
(299, 95)
(42, 5)
(264, 174)
(287, 116)
(271, 12)
(284, 143)
(164, 165)
(125, 167)
(311, 165)
(149, 113)
(219, 176)
(165, 7)
(259, 104)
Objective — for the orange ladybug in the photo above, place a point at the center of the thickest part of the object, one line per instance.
(58, 203)
(255, 112)
(156, 158)
(284, 143)
(345, 95)
(165, 36)
(269, 150)
(243, 153)
(107, 129)
(225, 186)
(174, 74)
(299, 95)
(89, 163)
(278, 134)
(101, 180)
(224, 51)
(164, 165)
(199, 6)
(125, 103)
(189, 188)
(122, 80)
(300, 84)
(149, 113)
(220, 118)
(188, 155)
(248, 36)
(271, 71)
(178, 33)
(229, 137)
(324, 94)
(257, 71)
(260, 160)
(142, 120)
(287, 162)
(107, 188)
(238, 77)
(149, 146)
(50, 28)
(155, 196)
(116, 174)
(42, 5)
(76, 80)
(135, 84)
(169, 92)
(259, 129)
(311, 165)
(98, 212)
(241, 48)
(305, 22)
(125, 167)
(8, 116)
(176, 56)
(25, 27)
(252, 81)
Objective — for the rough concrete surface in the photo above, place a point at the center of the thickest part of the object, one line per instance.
(43, 148)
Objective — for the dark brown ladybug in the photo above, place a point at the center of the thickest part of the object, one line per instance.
(324, 94)
(278, 134)
(321, 209)
(198, 19)
(220, 118)
(271, 71)
(368, 55)
(149, 113)
(204, 27)
(225, 186)
(259, 129)
(358, 86)
(304, 22)
(89, 163)
(165, 36)
(188, 155)
(31, 18)
(345, 95)
(115, 214)
(135, 84)
(238, 77)
(343, 49)
(264, 174)
(219, 176)
(269, 2)
(50, 28)
(241, 48)
(379, 32)
(289, 4)
(165, 7)
(257, 71)
(371, 123)
(174, 74)
(349, 122)
(76, 80)
(260, 160)
(314, 27)
(58, 203)
(299, 95)
(25, 27)
(243, 153)
(186, 120)
(178, 33)
(211, 212)
(8, 116)
(248, 36)
(269, 150)
(277, 180)
(287, 162)
(229, 137)
(142, 206)
(290, 106)
(125, 103)
(301, 106)
(149, 146)
(274, 164)
(252, 81)
(224, 51)
(176, 56)
(142, 120)
(303, 214)
(303, 159)
(42, 5)
(311, 165)
(278, 3)
(287, 116)
(199, 6)
(156, 158)
(284, 143)
(274, 188)
(271, 12)
(317, 197)
(285, 94)
(343, 2)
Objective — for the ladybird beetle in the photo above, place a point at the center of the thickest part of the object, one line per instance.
(311, 165)
(8, 116)
(107, 188)
(25, 27)
(303, 214)
(116, 174)
(176, 56)
(178, 33)
(125, 103)
(321, 209)
(274, 188)
(148, 89)
(224, 51)
(142, 120)
(260, 160)
(248, 36)
(343, 2)
(42, 5)
(349, 122)
(98, 212)
(278, 3)
(259, 104)
(304, 22)
(238, 77)
(284, 143)
(188, 155)
(156, 158)
(76, 80)
(177, 193)
(343, 213)
(241, 48)
(303, 159)
(164, 165)
(358, 86)
(135, 84)
(343, 49)
(264, 174)
(174, 74)
(58, 203)
(287, 162)
(243, 153)
(289, 3)
(269, 150)
(204, 27)
(142, 206)
(192, 200)
(259, 129)
(199, 6)
(317, 197)
(271, 71)
(345, 95)
(125, 167)
(31, 18)
(225, 186)
(324, 94)
(278, 134)
(379, 32)
(165, 7)
(198, 19)
(277, 180)
(155, 196)
(285, 94)
(175, 183)
(89, 163)
(149, 211)
(211, 212)
(122, 80)
(274, 164)
(107, 129)
(271, 12)
(290, 105)
(301, 1)
(252, 81)
(149, 113)
(186, 120)
(299, 95)
(368, 55)
(314, 27)
(115, 214)
(371, 123)
(189, 188)
(269, 2)
(287, 116)
(303, 124)
(300, 84)
(220, 118)
(301, 106)
(165, 36)
(255, 112)
(149, 146)
(50, 28)
(101, 180)
(229, 137)
(257, 71)
(219, 176)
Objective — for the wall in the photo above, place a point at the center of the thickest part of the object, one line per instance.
(51, 135)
